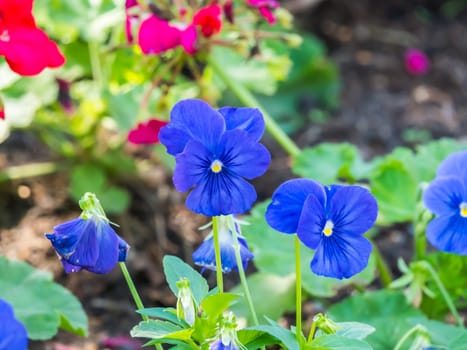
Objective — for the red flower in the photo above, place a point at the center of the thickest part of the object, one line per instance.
(209, 20)
(130, 20)
(146, 132)
(265, 8)
(2, 110)
(26, 48)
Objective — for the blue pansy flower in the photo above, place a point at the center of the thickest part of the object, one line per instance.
(215, 151)
(446, 197)
(13, 335)
(88, 242)
(205, 255)
(329, 219)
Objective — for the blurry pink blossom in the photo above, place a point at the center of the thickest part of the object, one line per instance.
(158, 36)
(265, 8)
(146, 133)
(121, 342)
(416, 62)
(130, 20)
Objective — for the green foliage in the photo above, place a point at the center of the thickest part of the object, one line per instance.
(387, 311)
(336, 342)
(91, 178)
(285, 336)
(40, 304)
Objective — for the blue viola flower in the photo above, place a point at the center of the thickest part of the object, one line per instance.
(329, 219)
(13, 335)
(205, 255)
(446, 197)
(215, 151)
(88, 242)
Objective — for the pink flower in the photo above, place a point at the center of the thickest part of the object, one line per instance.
(146, 133)
(265, 8)
(209, 19)
(158, 36)
(130, 20)
(416, 62)
(2, 110)
(26, 48)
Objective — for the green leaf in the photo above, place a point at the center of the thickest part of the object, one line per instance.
(440, 333)
(214, 305)
(157, 329)
(328, 162)
(40, 304)
(254, 339)
(285, 336)
(378, 309)
(395, 189)
(275, 255)
(354, 330)
(280, 292)
(336, 342)
(167, 314)
(86, 178)
(458, 343)
(123, 108)
(114, 200)
(175, 269)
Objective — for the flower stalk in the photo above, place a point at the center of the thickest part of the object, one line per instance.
(217, 249)
(298, 291)
(247, 98)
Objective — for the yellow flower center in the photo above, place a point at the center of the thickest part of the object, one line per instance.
(463, 208)
(327, 230)
(4, 36)
(216, 166)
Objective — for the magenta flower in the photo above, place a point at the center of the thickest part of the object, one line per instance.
(146, 132)
(416, 62)
(2, 110)
(130, 20)
(265, 8)
(26, 48)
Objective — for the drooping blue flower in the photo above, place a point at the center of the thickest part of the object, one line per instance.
(215, 151)
(13, 335)
(329, 219)
(446, 197)
(88, 242)
(205, 255)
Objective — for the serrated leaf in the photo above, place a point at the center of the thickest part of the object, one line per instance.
(336, 342)
(275, 254)
(378, 309)
(175, 269)
(39, 303)
(395, 189)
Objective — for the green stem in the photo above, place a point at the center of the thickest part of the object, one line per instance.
(241, 273)
(247, 98)
(406, 336)
(217, 249)
(298, 292)
(30, 170)
(312, 332)
(443, 291)
(384, 271)
(135, 295)
(96, 68)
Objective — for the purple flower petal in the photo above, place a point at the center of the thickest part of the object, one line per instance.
(448, 233)
(13, 334)
(192, 119)
(312, 221)
(205, 254)
(69, 268)
(108, 249)
(283, 213)
(221, 194)
(341, 256)
(352, 209)
(123, 248)
(191, 166)
(444, 195)
(242, 155)
(249, 119)
(454, 165)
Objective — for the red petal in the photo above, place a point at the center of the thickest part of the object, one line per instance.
(209, 19)
(16, 13)
(157, 36)
(146, 132)
(29, 51)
